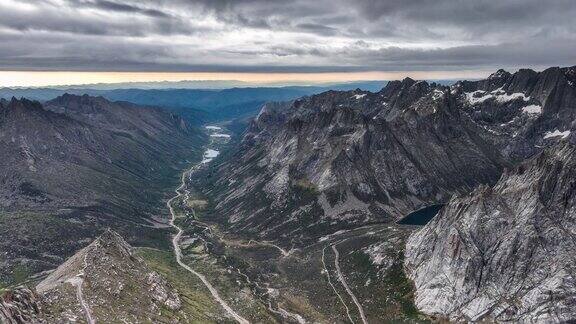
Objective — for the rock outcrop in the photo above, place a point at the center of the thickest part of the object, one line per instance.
(104, 282)
(506, 252)
(18, 306)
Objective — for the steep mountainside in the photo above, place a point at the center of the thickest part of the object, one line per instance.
(104, 282)
(506, 252)
(343, 159)
(77, 165)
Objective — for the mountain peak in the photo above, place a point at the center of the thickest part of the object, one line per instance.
(110, 237)
(23, 101)
(22, 105)
(68, 98)
(408, 81)
(108, 244)
(501, 73)
(106, 273)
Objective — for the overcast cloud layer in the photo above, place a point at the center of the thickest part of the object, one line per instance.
(285, 35)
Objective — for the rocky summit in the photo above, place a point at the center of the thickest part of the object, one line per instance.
(104, 282)
(524, 111)
(505, 252)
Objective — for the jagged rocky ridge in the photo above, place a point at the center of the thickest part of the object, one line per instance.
(524, 111)
(343, 159)
(19, 306)
(104, 281)
(76, 165)
(506, 252)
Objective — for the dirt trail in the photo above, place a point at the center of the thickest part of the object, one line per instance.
(343, 282)
(77, 282)
(333, 287)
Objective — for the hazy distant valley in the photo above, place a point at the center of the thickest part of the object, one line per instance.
(413, 202)
(197, 105)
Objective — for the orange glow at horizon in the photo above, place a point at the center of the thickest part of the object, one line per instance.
(63, 78)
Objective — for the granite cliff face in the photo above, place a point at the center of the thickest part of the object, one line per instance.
(19, 306)
(342, 159)
(505, 252)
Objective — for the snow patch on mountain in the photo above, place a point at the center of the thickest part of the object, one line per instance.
(498, 95)
(473, 97)
(557, 133)
(437, 94)
(503, 98)
(532, 109)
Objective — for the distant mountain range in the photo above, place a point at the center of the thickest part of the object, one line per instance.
(48, 93)
(216, 85)
(217, 102)
(196, 105)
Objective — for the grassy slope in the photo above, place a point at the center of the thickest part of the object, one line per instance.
(197, 302)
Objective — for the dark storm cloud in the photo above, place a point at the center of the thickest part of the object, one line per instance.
(285, 35)
(120, 7)
(91, 18)
(463, 12)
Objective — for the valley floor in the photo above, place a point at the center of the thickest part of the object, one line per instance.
(349, 276)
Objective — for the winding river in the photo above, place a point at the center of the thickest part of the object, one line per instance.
(209, 155)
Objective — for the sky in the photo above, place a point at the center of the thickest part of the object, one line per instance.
(90, 41)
